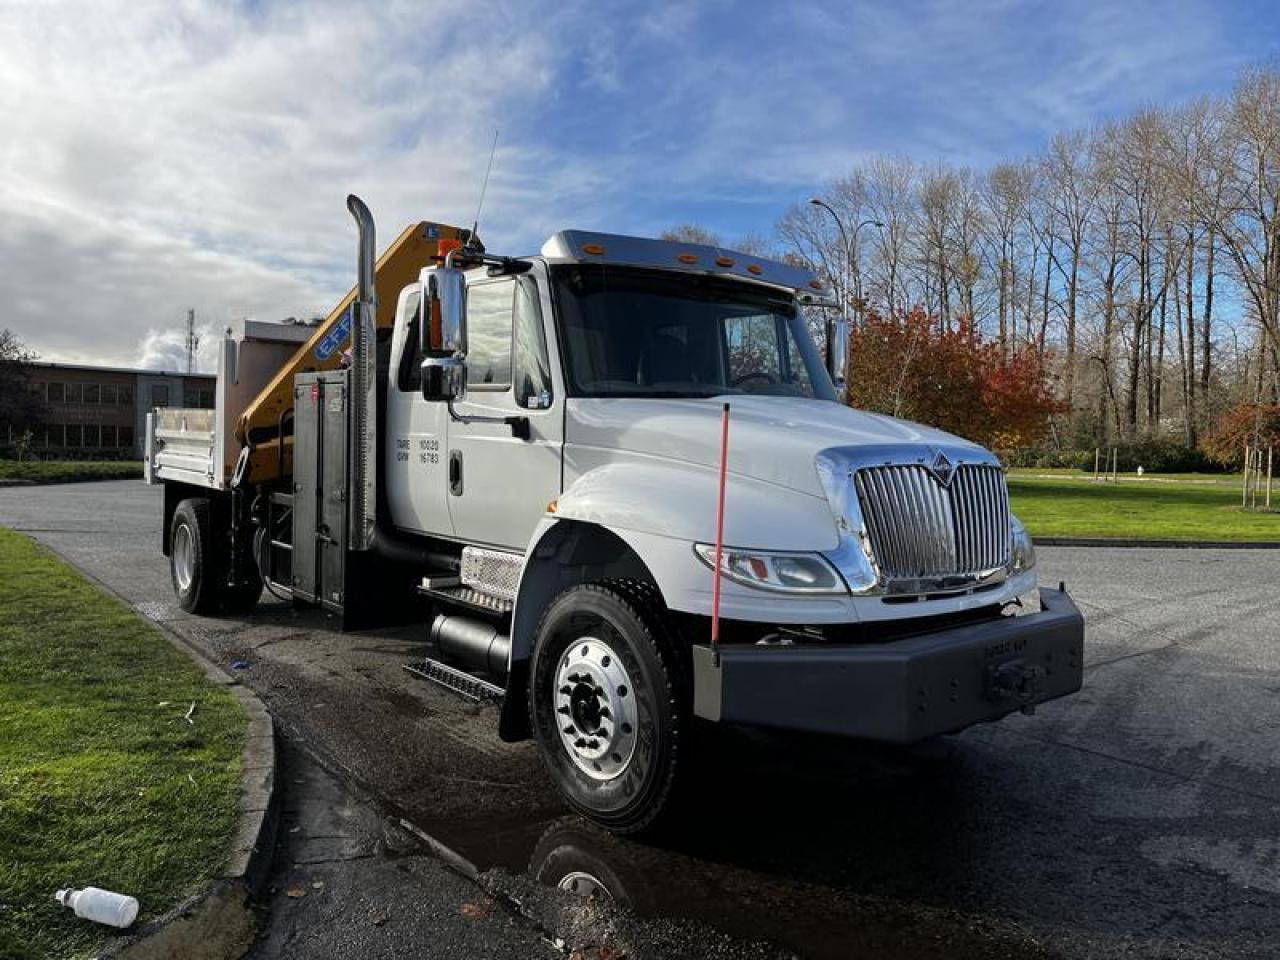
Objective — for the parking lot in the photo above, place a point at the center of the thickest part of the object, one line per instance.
(1138, 819)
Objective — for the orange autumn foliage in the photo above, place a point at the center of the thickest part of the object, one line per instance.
(956, 380)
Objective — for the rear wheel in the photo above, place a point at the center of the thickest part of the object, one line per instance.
(608, 705)
(199, 564)
(192, 562)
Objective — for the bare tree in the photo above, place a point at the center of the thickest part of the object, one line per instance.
(19, 407)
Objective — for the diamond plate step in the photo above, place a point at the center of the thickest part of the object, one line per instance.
(451, 678)
(468, 597)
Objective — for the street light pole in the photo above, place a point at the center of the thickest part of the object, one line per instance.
(849, 270)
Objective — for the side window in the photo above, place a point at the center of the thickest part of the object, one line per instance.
(489, 311)
(531, 367)
(409, 376)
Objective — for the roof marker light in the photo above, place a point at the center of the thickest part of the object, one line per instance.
(593, 248)
(816, 284)
(687, 258)
(755, 269)
(724, 261)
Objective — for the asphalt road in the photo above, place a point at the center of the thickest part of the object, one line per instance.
(1137, 819)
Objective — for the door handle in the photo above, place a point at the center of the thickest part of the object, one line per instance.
(455, 472)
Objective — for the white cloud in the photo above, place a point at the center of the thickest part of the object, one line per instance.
(160, 156)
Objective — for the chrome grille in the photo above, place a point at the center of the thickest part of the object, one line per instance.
(920, 529)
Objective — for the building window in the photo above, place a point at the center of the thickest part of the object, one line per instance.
(73, 435)
(73, 393)
(126, 437)
(56, 436)
(92, 436)
(159, 395)
(191, 398)
(125, 394)
(108, 437)
(57, 392)
(92, 393)
(109, 393)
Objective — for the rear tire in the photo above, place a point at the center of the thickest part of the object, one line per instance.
(199, 564)
(608, 704)
(193, 562)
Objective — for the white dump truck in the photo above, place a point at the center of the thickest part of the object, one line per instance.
(526, 455)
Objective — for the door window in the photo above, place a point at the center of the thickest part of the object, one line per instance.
(409, 377)
(489, 312)
(532, 369)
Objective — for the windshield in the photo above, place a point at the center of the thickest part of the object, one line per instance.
(643, 333)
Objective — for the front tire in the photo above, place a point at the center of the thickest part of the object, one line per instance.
(607, 701)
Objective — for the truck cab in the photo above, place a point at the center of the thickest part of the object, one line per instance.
(629, 492)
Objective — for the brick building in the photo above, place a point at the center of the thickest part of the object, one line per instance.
(101, 411)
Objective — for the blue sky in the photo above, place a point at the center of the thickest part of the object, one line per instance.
(164, 155)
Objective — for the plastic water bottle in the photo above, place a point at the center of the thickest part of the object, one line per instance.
(100, 906)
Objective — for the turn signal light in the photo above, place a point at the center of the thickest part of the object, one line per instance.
(593, 248)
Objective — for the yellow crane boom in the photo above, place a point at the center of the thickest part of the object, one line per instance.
(260, 425)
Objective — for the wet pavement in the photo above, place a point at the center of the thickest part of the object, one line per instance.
(1137, 819)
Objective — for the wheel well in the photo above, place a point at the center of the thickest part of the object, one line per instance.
(175, 493)
(570, 553)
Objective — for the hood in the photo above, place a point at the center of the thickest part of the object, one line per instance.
(774, 439)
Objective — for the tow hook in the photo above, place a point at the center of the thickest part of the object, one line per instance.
(1014, 680)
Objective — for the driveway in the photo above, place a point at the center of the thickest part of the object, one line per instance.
(1140, 818)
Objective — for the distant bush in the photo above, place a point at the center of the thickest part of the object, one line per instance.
(1154, 456)
(1247, 423)
(68, 471)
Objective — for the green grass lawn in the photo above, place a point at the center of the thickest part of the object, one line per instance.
(102, 781)
(1173, 507)
(66, 471)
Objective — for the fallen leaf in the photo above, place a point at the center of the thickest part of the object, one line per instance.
(296, 893)
(477, 911)
(598, 951)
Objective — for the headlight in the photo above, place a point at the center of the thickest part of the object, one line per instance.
(1024, 551)
(784, 572)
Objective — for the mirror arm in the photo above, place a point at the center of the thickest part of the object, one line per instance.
(519, 425)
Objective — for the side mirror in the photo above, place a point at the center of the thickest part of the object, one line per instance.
(838, 352)
(444, 336)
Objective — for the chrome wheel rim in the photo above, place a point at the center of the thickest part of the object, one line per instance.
(583, 884)
(596, 712)
(184, 557)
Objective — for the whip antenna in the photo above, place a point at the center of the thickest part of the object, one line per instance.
(484, 186)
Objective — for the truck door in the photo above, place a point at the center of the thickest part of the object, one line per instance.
(415, 467)
(499, 484)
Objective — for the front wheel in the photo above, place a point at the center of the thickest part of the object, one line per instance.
(608, 704)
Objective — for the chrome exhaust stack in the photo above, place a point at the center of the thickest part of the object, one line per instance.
(364, 375)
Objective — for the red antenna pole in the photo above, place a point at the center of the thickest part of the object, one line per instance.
(715, 582)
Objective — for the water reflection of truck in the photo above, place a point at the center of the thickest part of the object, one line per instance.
(529, 448)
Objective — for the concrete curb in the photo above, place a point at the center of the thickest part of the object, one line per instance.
(1158, 544)
(218, 923)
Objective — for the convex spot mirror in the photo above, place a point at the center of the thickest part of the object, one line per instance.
(838, 351)
(444, 336)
